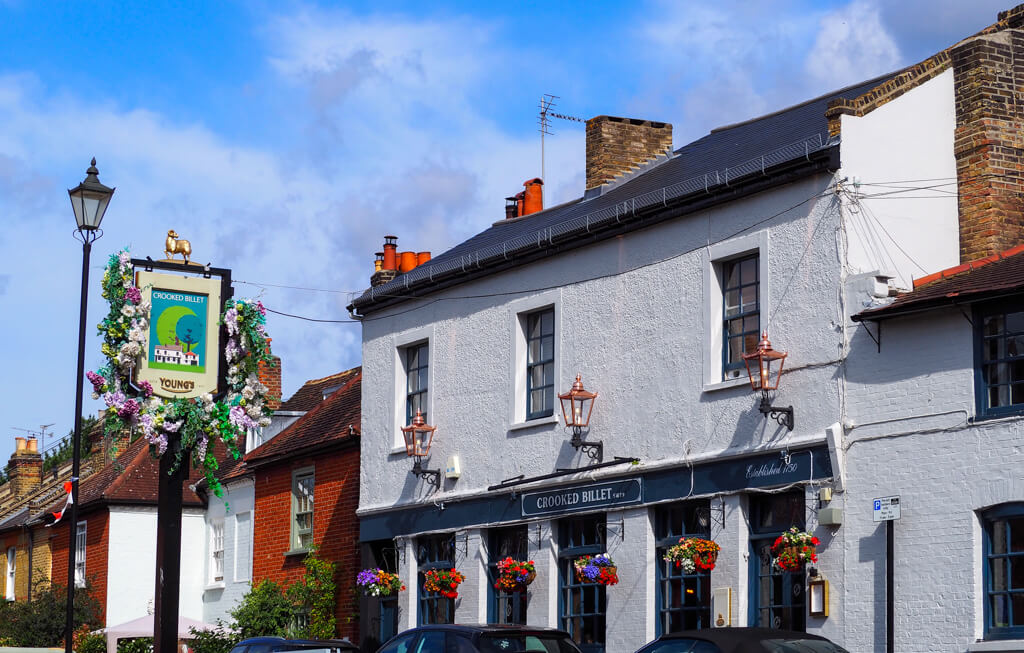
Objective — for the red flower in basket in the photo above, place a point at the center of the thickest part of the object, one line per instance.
(443, 581)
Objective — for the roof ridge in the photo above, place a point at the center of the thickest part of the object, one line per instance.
(968, 266)
(310, 414)
(823, 96)
(328, 377)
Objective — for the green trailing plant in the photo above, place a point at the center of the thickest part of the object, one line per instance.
(316, 596)
(264, 611)
(220, 639)
(41, 622)
(89, 642)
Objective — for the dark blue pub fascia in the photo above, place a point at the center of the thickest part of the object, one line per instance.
(507, 506)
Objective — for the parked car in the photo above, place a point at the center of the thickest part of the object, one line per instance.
(275, 644)
(741, 640)
(491, 638)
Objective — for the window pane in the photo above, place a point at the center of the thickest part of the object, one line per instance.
(732, 275)
(749, 298)
(998, 570)
(732, 302)
(549, 373)
(547, 319)
(1017, 394)
(1015, 346)
(1000, 611)
(735, 350)
(413, 380)
(999, 395)
(1017, 612)
(993, 325)
(993, 349)
(547, 348)
(424, 355)
(748, 270)
(999, 536)
(1016, 535)
(533, 326)
(1015, 322)
(412, 358)
(533, 351)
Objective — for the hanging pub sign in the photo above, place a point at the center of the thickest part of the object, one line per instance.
(180, 357)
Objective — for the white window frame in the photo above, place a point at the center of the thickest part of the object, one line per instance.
(216, 544)
(81, 539)
(297, 475)
(519, 311)
(402, 341)
(715, 256)
(241, 572)
(11, 570)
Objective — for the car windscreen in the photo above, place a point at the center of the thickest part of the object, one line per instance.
(801, 646)
(525, 643)
(681, 646)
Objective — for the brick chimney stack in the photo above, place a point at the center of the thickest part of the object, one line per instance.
(988, 73)
(616, 146)
(270, 376)
(25, 468)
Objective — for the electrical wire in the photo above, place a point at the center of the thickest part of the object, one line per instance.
(554, 286)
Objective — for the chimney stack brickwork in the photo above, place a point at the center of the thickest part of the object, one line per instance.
(616, 146)
(270, 376)
(988, 74)
(24, 469)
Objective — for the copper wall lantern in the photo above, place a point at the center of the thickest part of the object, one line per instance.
(764, 367)
(577, 404)
(418, 437)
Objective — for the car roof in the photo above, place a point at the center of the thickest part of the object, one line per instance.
(735, 639)
(310, 643)
(492, 628)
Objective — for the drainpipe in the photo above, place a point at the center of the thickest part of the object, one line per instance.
(31, 545)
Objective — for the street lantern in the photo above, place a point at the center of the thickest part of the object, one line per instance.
(418, 437)
(764, 367)
(577, 404)
(89, 200)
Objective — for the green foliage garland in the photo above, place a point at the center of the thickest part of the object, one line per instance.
(196, 421)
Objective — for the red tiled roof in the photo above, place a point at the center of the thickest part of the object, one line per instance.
(311, 394)
(132, 478)
(986, 278)
(335, 420)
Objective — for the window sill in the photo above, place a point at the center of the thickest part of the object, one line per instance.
(296, 552)
(730, 383)
(219, 585)
(540, 421)
(997, 645)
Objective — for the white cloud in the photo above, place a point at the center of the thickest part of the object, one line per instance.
(852, 45)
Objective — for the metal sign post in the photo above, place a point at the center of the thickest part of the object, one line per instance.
(887, 509)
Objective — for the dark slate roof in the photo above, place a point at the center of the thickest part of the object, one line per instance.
(743, 150)
(327, 424)
(312, 392)
(987, 278)
(16, 520)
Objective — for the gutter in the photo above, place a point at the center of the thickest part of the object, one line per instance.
(825, 159)
(946, 301)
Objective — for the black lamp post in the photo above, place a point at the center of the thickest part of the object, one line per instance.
(89, 200)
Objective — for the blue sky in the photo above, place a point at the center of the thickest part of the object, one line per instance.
(285, 139)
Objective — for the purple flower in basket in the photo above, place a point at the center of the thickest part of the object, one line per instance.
(367, 577)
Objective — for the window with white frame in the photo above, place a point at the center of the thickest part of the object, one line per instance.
(80, 555)
(417, 380)
(412, 371)
(10, 574)
(243, 546)
(302, 509)
(535, 357)
(736, 287)
(216, 552)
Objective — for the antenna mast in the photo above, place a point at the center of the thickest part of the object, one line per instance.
(544, 120)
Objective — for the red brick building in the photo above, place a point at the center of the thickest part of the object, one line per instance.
(307, 490)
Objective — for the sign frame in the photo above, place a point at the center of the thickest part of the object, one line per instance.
(885, 508)
(197, 285)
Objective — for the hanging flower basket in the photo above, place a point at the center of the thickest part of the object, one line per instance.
(515, 575)
(793, 549)
(377, 582)
(693, 554)
(598, 570)
(443, 581)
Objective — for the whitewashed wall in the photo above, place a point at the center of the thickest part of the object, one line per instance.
(131, 563)
(236, 511)
(903, 145)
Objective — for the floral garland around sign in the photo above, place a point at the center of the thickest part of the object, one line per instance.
(199, 420)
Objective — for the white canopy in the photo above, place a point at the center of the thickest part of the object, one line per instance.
(143, 627)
